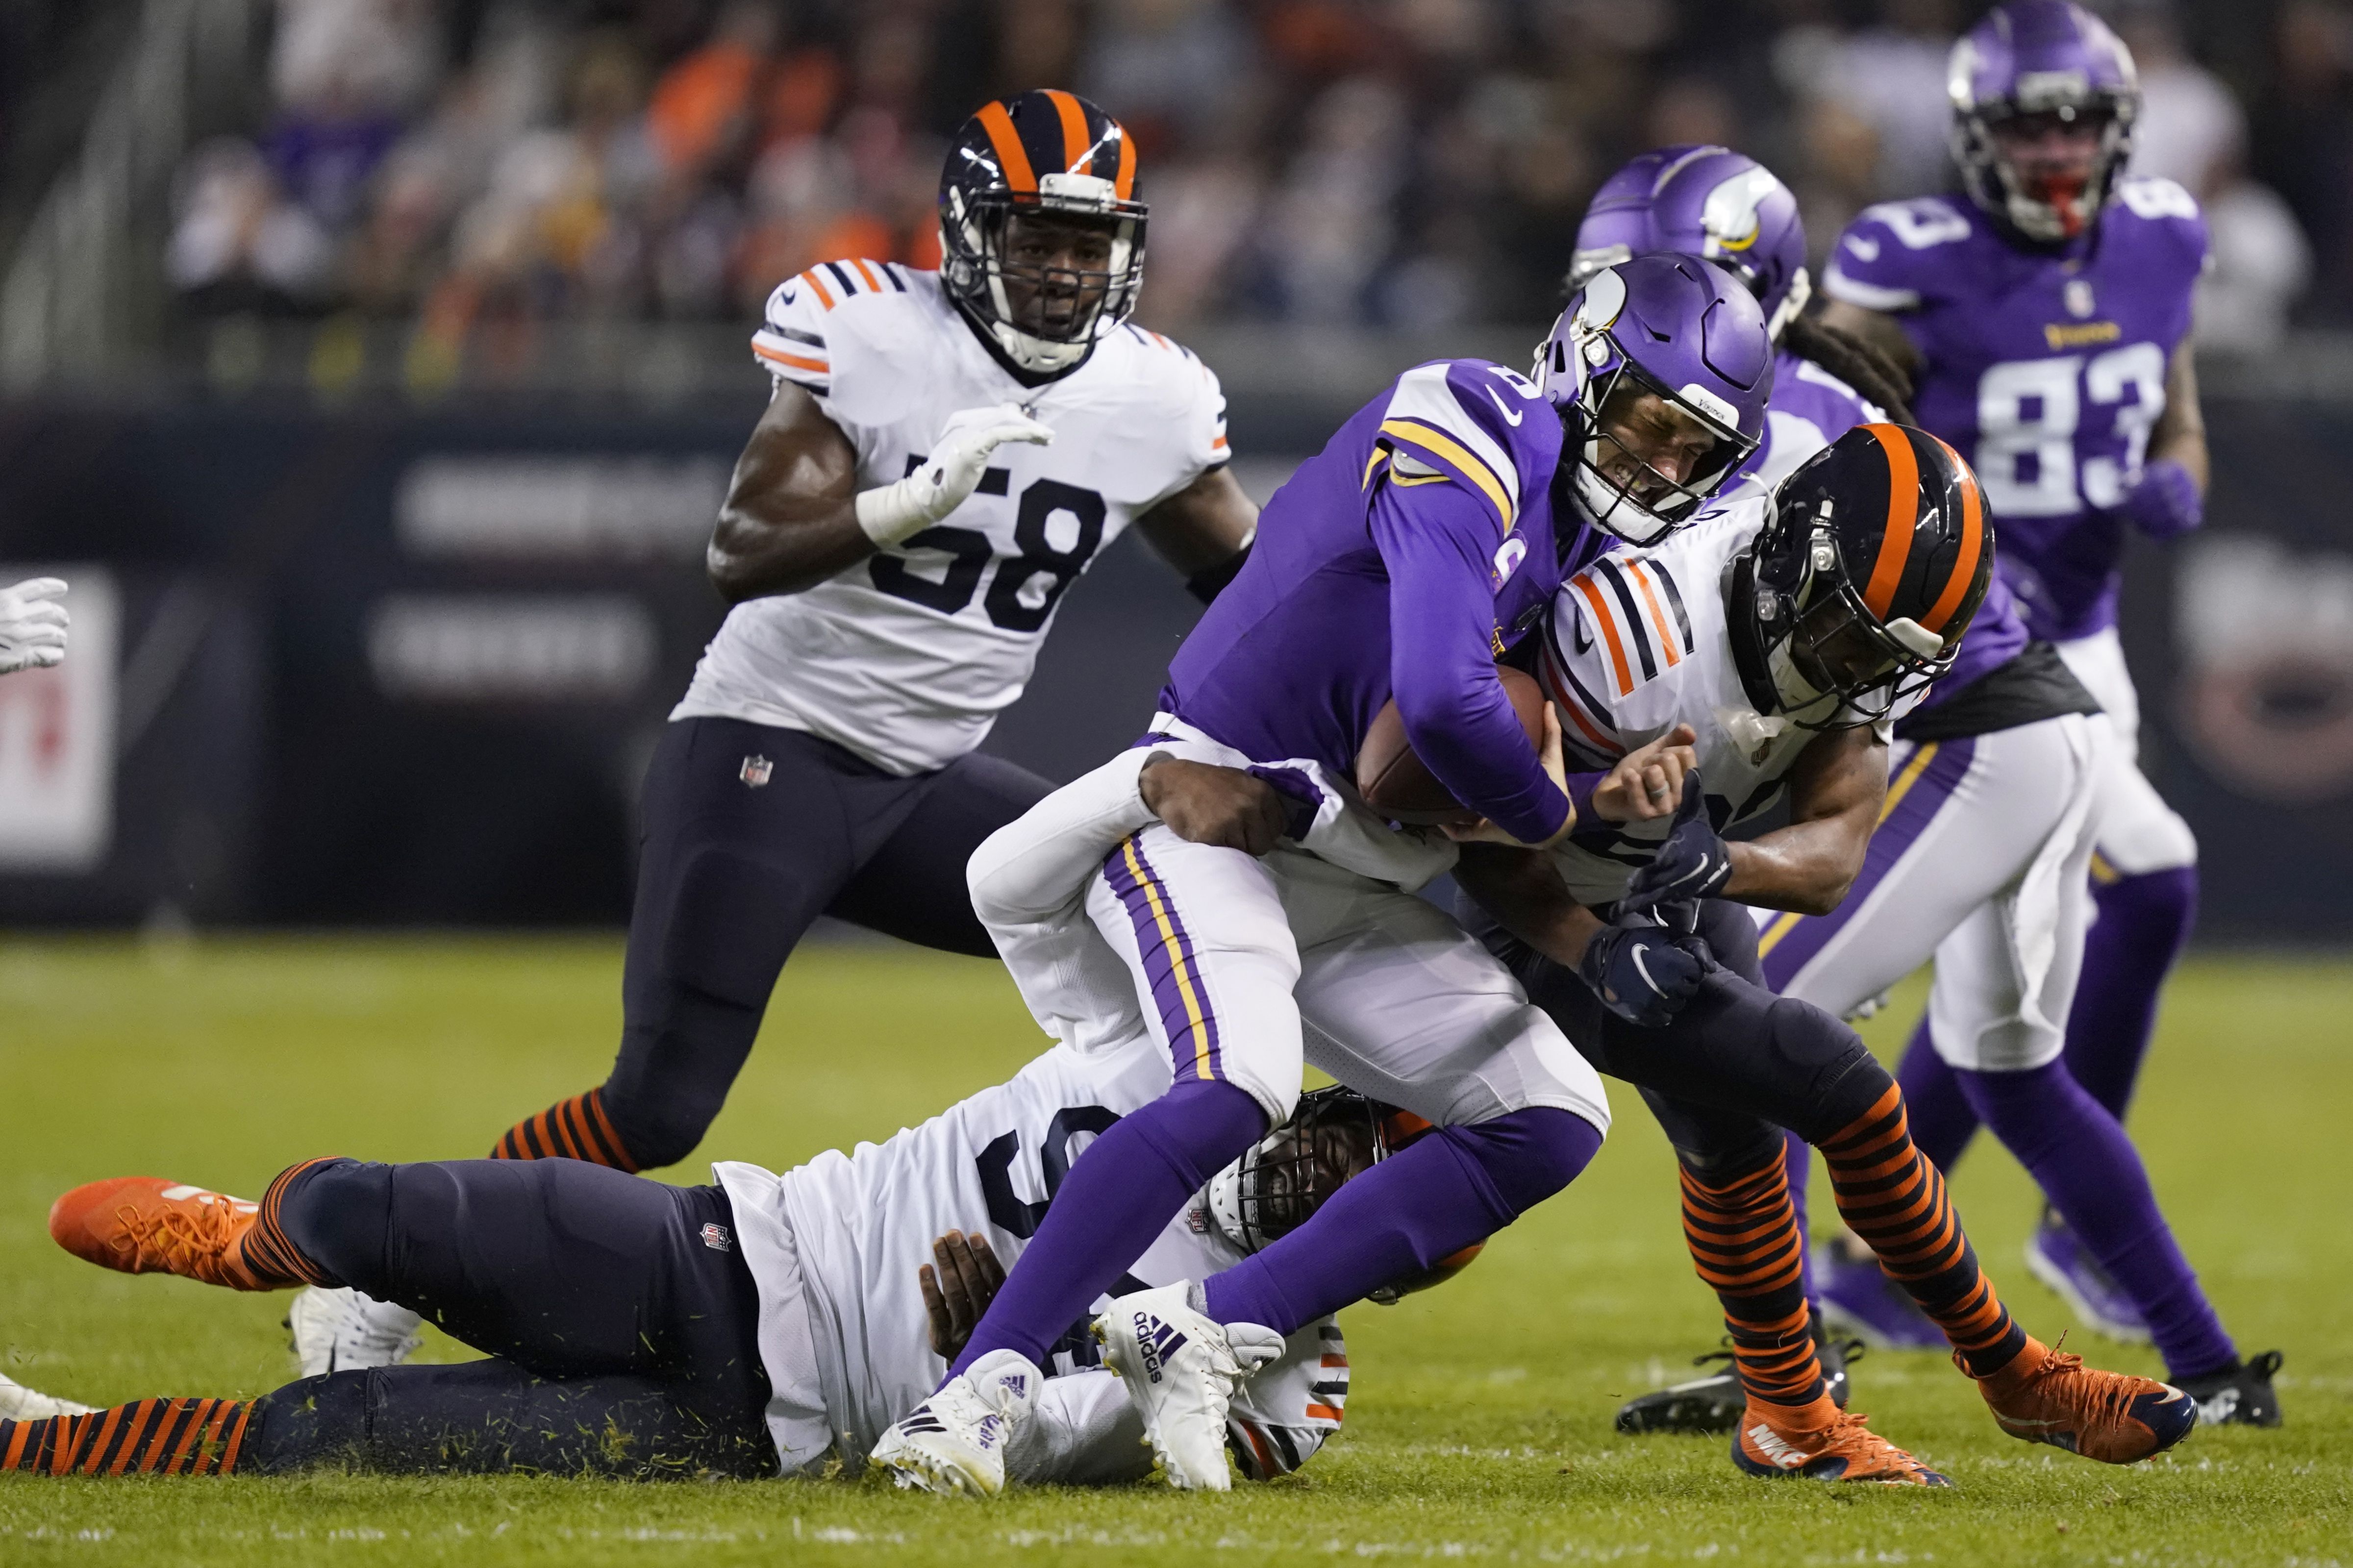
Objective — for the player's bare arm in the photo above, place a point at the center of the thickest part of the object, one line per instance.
(1836, 788)
(1522, 890)
(790, 521)
(2180, 433)
(1210, 805)
(1203, 526)
(1878, 329)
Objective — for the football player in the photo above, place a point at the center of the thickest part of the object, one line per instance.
(2047, 318)
(1725, 205)
(1787, 633)
(760, 1325)
(32, 625)
(1426, 538)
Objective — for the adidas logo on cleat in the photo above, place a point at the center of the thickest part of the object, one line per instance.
(1158, 1342)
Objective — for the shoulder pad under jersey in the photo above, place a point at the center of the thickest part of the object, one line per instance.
(1481, 424)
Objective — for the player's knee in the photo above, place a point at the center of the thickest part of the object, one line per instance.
(1528, 1155)
(729, 931)
(1720, 1161)
(1841, 1080)
(316, 1420)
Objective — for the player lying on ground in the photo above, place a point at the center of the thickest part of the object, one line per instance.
(32, 625)
(2048, 319)
(763, 1324)
(1426, 537)
(1800, 624)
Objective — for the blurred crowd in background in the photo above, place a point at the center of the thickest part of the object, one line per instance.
(1402, 163)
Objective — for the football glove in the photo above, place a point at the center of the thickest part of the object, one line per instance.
(897, 513)
(2166, 503)
(1692, 863)
(1644, 974)
(32, 625)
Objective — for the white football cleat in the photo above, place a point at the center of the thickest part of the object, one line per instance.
(19, 1402)
(1181, 1369)
(342, 1330)
(955, 1440)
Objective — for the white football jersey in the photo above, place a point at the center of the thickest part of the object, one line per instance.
(907, 658)
(860, 1225)
(1636, 645)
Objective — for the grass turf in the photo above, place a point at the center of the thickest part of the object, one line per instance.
(1479, 1425)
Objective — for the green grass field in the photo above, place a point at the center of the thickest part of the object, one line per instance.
(1480, 1425)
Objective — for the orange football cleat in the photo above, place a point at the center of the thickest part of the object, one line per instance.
(1822, 1443)
(2045, 1395)
(146, 1225)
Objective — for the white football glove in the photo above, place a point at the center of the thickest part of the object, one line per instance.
(898, 512)
(32, 625)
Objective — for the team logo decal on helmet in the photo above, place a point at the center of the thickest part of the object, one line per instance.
(1854, 594)
(1671, 328)
(1042, 156)
(2032, 58)
(1703, 201)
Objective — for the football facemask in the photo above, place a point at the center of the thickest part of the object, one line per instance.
(1272, 1190)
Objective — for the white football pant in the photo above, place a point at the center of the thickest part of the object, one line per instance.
(2138, 832)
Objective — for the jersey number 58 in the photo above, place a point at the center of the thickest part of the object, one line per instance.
(1023, 593)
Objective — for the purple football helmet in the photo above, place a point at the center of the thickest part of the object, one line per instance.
(1668, 324)
(1703, 201)
(2033, 57)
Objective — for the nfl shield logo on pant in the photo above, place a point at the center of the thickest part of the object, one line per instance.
(755, 770)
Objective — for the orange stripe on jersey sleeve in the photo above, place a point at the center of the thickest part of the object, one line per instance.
(1566, 700)
(1007, 142)
(798, 362)
(867, 273)
(1903, 512)
(1592, 595)
(824, 296)
(1658, 616)
(1326, 1412)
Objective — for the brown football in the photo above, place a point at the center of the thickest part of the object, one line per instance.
(1392, 779)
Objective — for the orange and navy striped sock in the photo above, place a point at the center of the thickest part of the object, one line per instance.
(1743, 1233)
(146, 1436)
(574, 1129)
(1895, 1198)
(269, 1252)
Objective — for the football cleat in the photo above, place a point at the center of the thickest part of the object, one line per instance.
(1181, 1369)
(954, 1443)
(1824, 1444)
(2045, 1395)
(340, 1330)
(1856, 1297)
(2240, 1397)
(19, 1402)
(145, 1225)
(1714, 1404)
(2057, 1257)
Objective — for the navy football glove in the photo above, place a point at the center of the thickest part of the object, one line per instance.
(2166, 503)
(1693, 863)
(1644, 974)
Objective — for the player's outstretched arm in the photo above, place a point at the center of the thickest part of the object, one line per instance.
(1204, 531)
(1836, 789)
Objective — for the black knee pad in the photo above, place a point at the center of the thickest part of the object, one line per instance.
(1841, 1079)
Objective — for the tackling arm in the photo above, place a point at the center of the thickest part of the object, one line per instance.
(1525, 893)
(1836, 790)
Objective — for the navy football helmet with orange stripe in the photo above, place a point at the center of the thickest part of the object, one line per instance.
(1853, 596)
(1042, 155)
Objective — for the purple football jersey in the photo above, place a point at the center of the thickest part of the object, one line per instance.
(2044, 368)
(1400, 562)
(1809, 409)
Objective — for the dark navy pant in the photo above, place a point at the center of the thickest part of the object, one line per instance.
(751, 833)
(618, 1314)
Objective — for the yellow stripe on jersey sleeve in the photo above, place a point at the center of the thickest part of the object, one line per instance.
(1448, 450)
